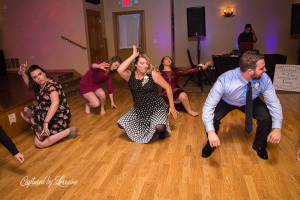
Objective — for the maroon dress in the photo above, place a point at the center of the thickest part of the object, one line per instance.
(90, 81)
(172, 78)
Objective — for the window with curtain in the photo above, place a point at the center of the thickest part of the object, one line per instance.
(129, 31)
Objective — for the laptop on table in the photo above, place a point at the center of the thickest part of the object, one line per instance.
(246, 46)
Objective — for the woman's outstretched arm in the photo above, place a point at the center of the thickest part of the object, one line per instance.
(24, 75)
(158, 79)
(193, 70)
(125, 74)
(102, 66)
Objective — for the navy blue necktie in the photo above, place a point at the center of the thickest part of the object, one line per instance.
(248, 109)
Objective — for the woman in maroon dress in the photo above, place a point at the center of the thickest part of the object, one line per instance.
(90, 88)
(171, 74)
(51, 117)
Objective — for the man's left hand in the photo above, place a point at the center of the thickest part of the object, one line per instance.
(275, 136)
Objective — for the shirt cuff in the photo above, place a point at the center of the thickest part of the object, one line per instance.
(209, 127)
(14, 151)
(277, 124)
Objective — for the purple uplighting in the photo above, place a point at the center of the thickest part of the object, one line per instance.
(271, 42)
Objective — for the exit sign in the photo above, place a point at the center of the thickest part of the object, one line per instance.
(126, 3)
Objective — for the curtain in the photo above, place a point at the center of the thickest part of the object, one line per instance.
(129, 31)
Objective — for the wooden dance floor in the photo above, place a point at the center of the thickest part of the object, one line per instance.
(102, 163)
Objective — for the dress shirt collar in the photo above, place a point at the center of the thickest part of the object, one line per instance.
(241, 78)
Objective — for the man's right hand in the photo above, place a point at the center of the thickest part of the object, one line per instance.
(213, 139)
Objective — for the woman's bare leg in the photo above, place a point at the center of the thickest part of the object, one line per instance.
(183, 98)
(26, 115)
(25, 118)
(101, 94)
(93, 101)
(54, 138)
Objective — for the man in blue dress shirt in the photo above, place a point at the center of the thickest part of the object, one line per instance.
(229, 93)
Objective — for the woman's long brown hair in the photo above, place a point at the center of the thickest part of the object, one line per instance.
(112, 60)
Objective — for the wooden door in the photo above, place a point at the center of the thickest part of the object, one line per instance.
(125, 53)
(95, 35)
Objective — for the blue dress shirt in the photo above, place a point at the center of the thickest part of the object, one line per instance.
(232, 88)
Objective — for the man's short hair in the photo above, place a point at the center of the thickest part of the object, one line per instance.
(248, 26)
(249, 60)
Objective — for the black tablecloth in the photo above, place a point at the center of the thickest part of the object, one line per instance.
(225, 63)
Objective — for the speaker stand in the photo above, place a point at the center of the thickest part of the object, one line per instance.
(198, 49)
(199, 73)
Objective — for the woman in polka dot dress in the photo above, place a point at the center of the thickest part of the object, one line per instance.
(149, 113)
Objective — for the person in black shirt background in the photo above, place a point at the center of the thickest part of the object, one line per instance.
(248, 35)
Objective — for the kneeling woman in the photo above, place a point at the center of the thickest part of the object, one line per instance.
(149, 113)
(89, 85)
(50, 119)
(171, 74)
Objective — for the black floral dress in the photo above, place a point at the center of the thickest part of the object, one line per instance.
(61, 119)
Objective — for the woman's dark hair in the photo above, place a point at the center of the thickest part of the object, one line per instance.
(33, 85)
(112, 60)
(161, 66)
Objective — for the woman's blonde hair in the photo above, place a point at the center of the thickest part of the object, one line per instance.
(112, 60)
(145, 56)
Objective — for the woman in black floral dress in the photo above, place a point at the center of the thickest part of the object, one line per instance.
(50, 118)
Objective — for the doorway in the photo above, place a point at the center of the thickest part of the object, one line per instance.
(129, 30)
(95, 36)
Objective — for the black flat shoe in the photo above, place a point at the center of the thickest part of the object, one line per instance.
(207, 150)
(261, 152)
(161, 136)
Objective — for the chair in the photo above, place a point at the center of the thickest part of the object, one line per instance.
(199, 73)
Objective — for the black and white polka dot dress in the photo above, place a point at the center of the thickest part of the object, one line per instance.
(148, 111)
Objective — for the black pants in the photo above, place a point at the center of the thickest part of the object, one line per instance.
(260, 113)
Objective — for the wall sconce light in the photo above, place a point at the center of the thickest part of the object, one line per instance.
(228, 14)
